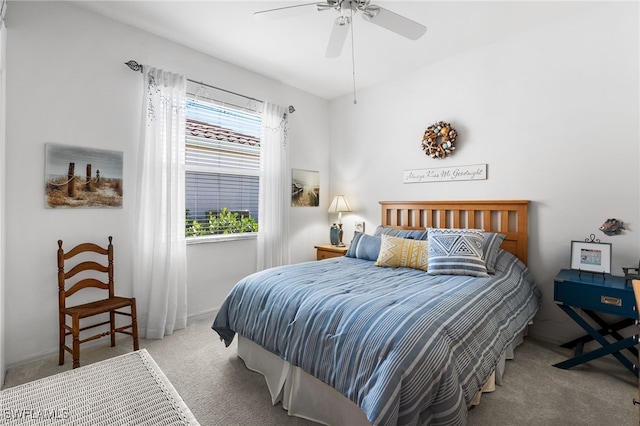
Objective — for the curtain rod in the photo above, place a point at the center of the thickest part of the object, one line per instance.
(138, 67)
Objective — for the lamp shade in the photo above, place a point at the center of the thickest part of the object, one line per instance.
(339, 205)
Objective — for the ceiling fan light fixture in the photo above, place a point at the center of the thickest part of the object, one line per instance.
(343, 20)
(370, 11)
(362, 4)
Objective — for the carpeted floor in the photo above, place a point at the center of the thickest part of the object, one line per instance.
(220, 391)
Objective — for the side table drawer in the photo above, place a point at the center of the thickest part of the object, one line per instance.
(326, 251)
(321, 254)
(598, 298)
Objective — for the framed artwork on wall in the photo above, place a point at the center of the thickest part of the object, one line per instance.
(305, 188)
(591, 256)
(78, 177)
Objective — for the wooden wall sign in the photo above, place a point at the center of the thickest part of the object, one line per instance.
(446, 174)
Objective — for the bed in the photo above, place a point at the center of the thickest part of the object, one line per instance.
(363, 339)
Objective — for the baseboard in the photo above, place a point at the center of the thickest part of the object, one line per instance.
(192, 318)
(54, 352)
(202, 315)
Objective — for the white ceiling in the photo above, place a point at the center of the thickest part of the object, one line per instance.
(292, 49)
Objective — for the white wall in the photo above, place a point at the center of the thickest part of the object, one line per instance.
(553, 112)
(67, 84)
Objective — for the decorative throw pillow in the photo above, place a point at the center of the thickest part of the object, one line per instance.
(490, 249)
(364, 246)
(420, 234)
(456, 252)
(402, 252)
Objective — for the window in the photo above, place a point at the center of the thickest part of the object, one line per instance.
(222, 167)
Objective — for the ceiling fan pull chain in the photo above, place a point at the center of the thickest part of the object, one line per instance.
(353, 61)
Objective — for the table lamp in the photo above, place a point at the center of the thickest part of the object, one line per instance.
(338, 205)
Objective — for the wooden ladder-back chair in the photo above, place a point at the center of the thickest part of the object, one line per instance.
(93, 272)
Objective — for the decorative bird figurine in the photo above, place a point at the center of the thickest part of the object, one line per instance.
(612, 227)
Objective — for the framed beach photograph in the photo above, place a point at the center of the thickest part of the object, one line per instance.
(305, 188)
(78, 177)
(591, 256)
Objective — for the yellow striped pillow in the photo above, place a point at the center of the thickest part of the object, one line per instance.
(401, 252)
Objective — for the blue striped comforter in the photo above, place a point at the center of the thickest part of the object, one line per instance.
(406, 347)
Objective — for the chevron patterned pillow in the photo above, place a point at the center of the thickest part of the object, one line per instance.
(456, 252)
(401, 252)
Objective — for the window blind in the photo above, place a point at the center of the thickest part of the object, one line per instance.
(222, 167)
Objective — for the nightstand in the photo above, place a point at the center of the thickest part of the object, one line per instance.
(596, 294)
(325, 251)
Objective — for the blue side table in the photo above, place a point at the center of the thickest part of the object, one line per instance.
(597, 294)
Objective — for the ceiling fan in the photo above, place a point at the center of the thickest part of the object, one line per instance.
(346, 8)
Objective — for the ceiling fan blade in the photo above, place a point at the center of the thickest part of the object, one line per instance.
(284, 12)
(394, 22)
(338, 36)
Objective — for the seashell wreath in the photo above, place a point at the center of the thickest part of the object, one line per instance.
(439, 140)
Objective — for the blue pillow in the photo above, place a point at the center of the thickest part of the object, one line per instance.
(420, 234)
(364, 246)
(456, 252)
(490, 249)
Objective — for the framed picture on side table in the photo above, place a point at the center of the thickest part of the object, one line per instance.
(591, 256)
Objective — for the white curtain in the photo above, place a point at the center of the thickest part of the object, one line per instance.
(275, 189)
(160, 263)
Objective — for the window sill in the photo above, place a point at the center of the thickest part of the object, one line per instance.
(221, 238)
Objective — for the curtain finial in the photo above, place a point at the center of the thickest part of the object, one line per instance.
(134, 65)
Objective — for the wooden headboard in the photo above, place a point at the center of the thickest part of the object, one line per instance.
(503, 216)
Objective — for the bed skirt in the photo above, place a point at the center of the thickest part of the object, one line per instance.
(304, 396)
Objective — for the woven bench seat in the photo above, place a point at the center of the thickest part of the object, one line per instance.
(126, 390)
